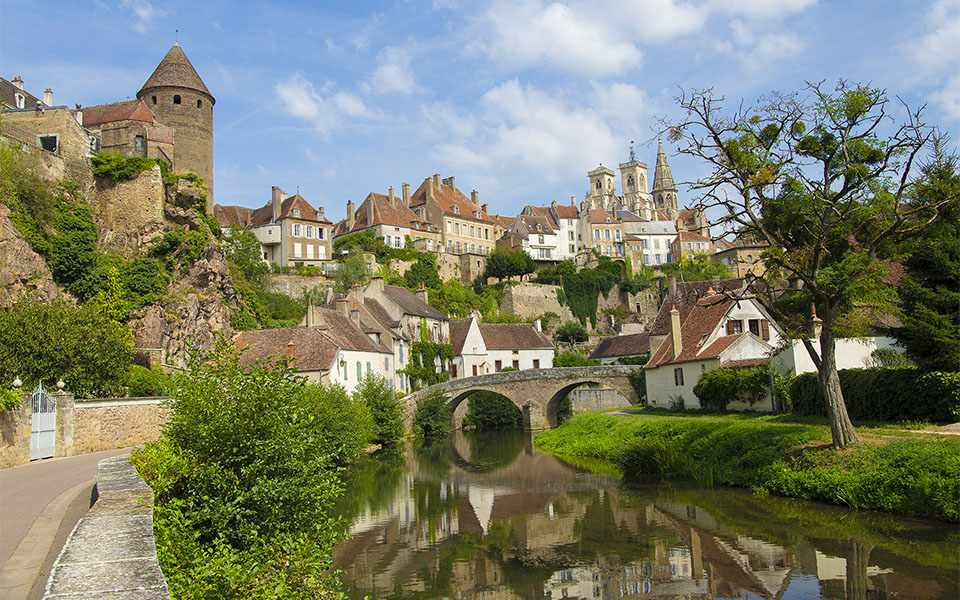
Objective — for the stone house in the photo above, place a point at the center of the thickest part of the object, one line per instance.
(648, 242)
(535, 235)
(482, 348)
(391, 218)
(713, 330)
(687, 244)
(56, 131)
(131, 129)
(603, 231)
(464, 224)
(741, 257)
(13, 96)
(565, 220)
(612, 350)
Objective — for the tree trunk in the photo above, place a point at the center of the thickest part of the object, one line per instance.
(841, 429)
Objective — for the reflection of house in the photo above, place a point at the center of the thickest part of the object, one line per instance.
(716, 331)
(482, 348)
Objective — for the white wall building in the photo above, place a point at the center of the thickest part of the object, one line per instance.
(484, 348)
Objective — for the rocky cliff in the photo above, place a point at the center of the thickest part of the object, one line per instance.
(23, 272)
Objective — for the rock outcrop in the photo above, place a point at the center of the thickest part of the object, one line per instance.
(196, 308)
(23, 272)
(129, 214)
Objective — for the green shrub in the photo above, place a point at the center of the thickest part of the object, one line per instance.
(885, 395)
(385, 408)
(431, 419)
(718, 388)
(10, 398)
(489, 410)
(572, 358)
(116, 167)
(572, 332)
(889, 358)
(638, 379)
(148, 382)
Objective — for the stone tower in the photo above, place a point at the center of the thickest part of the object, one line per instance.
(179, 99)
(601, 193)
(633, 183)
(664, 189)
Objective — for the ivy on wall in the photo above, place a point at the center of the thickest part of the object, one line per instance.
(423, 369)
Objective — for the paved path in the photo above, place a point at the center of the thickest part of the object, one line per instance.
(40, 502)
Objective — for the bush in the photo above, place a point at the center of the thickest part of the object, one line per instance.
(889, 358)
(488, 410)
(116, 167)
(385, 408)
(431, 420)
(885, 395)
(572, 332)
(718, 388)
(148, 382)
(572, 358)
(638, 379)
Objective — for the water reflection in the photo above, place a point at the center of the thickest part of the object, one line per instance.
(489, 516)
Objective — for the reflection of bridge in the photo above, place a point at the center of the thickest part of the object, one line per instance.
(536, 392)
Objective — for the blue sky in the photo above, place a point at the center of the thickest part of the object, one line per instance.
(516, 99)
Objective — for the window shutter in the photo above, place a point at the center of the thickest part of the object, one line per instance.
(729, 327)
(765, 329)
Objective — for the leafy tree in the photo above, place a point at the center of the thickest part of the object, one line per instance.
(423, 271)
(353, 270)
(432, 418)
(111, 300)
(385, 408)
(572, 332)
(243, 249)
(505, 264)
(572, 358)
(697, 267)
(79, 344)
(816, 177)
(929, 292)
(489, 410)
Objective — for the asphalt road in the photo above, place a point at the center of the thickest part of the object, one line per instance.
(40, 502)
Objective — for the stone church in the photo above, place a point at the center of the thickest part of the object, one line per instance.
(171, 119)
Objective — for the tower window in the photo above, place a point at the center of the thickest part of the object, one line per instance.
(176, 99)
(199, 103)
(154, 99)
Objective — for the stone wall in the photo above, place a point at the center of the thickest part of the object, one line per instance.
(112, 553)
(23, 272)
(129, 214)
(293, 285)
(587, 399)
(529, 300)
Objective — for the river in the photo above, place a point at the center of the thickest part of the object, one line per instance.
(487, 515)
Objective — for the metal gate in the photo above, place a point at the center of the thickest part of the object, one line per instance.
(43, 424)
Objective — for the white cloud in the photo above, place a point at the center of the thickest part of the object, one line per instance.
(144, 13)
(444, 121)
(300, 99)
(558, 36)
(762, 9)
(948, 97)
(393, 74)
(656, 20)
(757, 52)
(936, 57)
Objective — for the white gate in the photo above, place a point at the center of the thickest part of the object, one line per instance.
(43, 424)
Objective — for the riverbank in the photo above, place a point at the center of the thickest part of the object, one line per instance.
(899, 472)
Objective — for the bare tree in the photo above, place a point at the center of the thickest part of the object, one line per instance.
(826, 179)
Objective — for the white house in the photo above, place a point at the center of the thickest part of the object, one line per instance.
(851, 353)
(715, 331)
(483, 348)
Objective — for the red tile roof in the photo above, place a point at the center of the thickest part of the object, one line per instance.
(385, 213)
(701, 321)
(688, 295)
(458, 334)
(450, 200)
(345, 333)
(311, 350)
(232, 215)
(264, 214)
(633, 344)
(747, 362)
(512, 336)
(689, 236)
(540, 211)
(567, 211)
(129, 110)
(532, 221)
(598, 215)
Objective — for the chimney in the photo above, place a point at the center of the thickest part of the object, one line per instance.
(483, 208)
(450, 182)
(355, 315)
(48, 97)
(350, 219)
(309, 313)
(276, 197)
(675, 331)
(79, 115)
(475, 198)
(422, 293)
(406, 194)
(355, 294)
(553, 203)
(429, 183)
(290, 349)
(538, 326)
(377, 283)
(18, 82)
(343, 306)
(436, 179)
(573, 201)
(370, 211)
(392, 197)
(672, 285)
(816, 323)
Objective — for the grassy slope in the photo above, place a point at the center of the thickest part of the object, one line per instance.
(901, 473)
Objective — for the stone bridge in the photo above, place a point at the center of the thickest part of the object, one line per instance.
(536, 392)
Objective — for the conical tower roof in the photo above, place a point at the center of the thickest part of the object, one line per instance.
(662, 177)
(175, 70)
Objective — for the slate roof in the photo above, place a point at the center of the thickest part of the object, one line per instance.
(448, 198)
(380, 313)
(410, 304)
(128, 110)
(657, 228)
(688, 294)
(175, 70)
(8, 91)
(512, 336)
(311, 350)
(633, 344)
(662, 177)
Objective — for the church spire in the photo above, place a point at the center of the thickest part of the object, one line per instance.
(662, 177)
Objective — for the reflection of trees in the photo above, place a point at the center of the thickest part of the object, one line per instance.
(492, 450)
(857, 561)
(371, 482)
(436, 457)
(598, 534)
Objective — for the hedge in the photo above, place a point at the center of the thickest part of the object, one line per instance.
(885, 394)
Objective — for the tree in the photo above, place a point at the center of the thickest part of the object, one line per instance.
(111, 300)
(827, 180)
(243, 249)
(353, 270)
(384, 406)
(423, 271)
(929, 296)
(572, 332)
(505, 264)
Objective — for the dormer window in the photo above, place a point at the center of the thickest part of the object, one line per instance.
(608, 219)
(296, 213)
(21, 100)
(456, 210)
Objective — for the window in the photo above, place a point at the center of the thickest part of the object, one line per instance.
(516, 364)
(400, 357)
(472, 231)
(140, 145)
(176, 98)
(596, 234)
(453, 371)
(296, 213)
(689, 245)
(436, 333)
(297, 250)
(199, 103)
(754, 325)
(606, 234)
(571, 248)
(644, 244)
(48, 142)
(309, 229)
(359, 371)
(656, 243)
(319, 233)
(369, 370)
(473, 247)
(678, 376)
(458, 246)
(295, 228)
(310, 251)
(486, 233)
(321, 252)
(20, 100)
(153, 99)
(456, 228)
(449, 227)
(734, 327)
(616, 235)
(540, 239)
(536, 363)
(456, 210)
(497, 365)
(474, 370)
(570, 235)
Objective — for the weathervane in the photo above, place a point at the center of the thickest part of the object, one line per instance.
(632, 157)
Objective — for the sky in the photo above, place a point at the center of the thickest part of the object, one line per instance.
(518, 100)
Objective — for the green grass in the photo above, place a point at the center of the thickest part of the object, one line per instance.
(893, 471)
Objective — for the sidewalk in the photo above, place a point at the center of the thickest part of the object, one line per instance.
(40, 502)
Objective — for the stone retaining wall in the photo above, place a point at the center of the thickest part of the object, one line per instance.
(112, 553)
